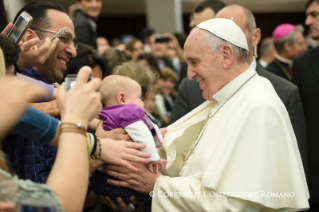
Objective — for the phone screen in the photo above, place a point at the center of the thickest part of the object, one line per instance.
(70, 81)
(18, 29)
(72, 84)
(28, 208)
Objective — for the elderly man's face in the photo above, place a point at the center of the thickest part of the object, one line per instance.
(203, 64)
(312, 19)
(52, 69)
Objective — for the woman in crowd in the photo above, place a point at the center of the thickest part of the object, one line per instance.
(135, 46)
(115, 57)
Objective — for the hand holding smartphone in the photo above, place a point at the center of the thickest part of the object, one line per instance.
(19, 27)
(70, 81)
(58, 34)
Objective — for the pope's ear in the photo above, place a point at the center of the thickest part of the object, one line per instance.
(227, 56)
(28, 35)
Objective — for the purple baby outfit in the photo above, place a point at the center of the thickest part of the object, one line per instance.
(120, 116)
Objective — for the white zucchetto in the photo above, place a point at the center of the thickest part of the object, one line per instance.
(227, 30)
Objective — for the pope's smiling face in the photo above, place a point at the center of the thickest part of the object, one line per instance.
(203, 64)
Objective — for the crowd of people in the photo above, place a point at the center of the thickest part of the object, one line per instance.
(230, 130)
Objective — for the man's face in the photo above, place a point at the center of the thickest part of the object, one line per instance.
(91, 8)
(158, 49)
(312, 19)
(298, 47)
(203, 64)
(198, 18)
(52, 69)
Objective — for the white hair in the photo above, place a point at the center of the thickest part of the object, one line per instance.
(217, 42)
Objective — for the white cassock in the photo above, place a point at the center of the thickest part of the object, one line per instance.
(248, 151)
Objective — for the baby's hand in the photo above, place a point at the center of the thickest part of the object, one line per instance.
(153, 166)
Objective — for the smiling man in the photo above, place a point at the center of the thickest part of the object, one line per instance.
(84, 21)
(52, 69)
(29, 159)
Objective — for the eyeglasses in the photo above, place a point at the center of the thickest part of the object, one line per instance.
(64, 37)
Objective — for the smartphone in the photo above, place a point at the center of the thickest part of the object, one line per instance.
(70, 81)
(58, 34)
(19, 27)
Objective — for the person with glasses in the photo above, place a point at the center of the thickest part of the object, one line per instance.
(29, 159)
(65, 37)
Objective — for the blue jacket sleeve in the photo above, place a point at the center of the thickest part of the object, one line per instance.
(36, 125)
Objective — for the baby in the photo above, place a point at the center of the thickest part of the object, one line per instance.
(123, 108)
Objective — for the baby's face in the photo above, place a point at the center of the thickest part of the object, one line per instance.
(135, 97)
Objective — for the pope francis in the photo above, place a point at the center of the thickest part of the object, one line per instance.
(235, 152)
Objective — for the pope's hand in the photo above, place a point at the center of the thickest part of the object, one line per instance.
(142, 181)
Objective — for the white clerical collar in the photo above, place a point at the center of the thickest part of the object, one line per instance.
(284, 60)
(262, 63)
(253, 64)
(228, 90)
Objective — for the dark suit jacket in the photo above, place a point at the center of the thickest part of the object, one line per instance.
(84, 31)
(306, 77)
(182, 75)
(279, 68)
(190, 96)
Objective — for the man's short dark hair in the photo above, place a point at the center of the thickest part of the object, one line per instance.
(309, 2)
(3, 16)
(215, 5)
(11, 51)
(38, 11)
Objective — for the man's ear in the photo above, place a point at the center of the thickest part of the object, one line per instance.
(28, 35)
(228, 55)
(120, 98)
(256, 36)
